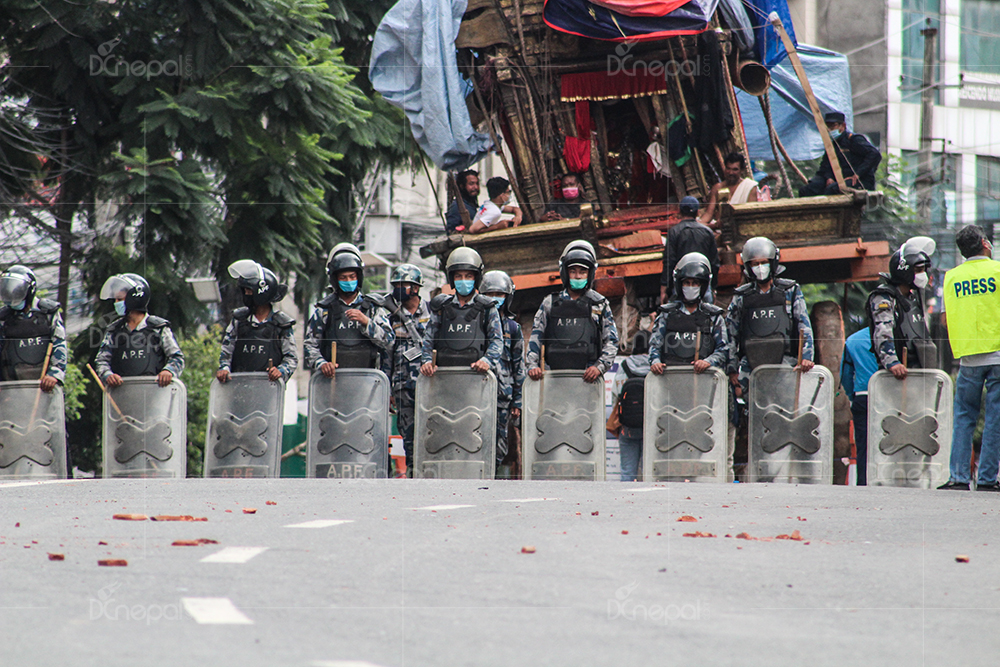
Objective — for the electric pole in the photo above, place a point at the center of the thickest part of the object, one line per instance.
(928, 87)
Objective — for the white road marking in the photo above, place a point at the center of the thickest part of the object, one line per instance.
(527, 500)
(11, 485)
(234, 555)
(215, 611)
(343, 663)
(436, 508)
(320, 523)
(647, 488)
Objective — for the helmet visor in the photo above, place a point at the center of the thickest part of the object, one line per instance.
(247, 269)
(13, 288)
(116, 285)
(916, 246)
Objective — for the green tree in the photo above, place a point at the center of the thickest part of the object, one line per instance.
(201, 360)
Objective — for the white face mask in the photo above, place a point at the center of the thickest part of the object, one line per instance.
(762, 271)
(690, 293)
(921, 280)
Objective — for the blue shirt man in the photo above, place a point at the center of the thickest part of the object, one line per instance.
(857, 367)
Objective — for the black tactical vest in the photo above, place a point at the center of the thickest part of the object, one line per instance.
(767, 331)
(354, 348)
(139, 352)
(632, 398)
(461, 336)
(909, 330)
(572, 338)
(25, 341)
(257, 343)
(681, 335)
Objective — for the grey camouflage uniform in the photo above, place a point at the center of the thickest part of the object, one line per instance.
(509, 380)
(600, 313)
(60, 354)
(403, 367)
(720, 332)
(494, 334)
(883, 313)
(378, 330)
(172, 351)
(795, 306)
(289, 355)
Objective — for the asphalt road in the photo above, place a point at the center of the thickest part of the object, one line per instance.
(426, 572)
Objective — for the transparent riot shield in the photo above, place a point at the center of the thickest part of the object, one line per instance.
(243, 438)
(909, 429)
(563, 427)
(348, 424)
(455, 425)
(791, 425)
(145, 429)
(32, 432)
(684, 426)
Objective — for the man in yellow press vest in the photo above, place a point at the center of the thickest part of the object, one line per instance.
(972, 306)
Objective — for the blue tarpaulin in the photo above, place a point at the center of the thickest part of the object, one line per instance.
(768, 45)
(830, 78)
(413, 66)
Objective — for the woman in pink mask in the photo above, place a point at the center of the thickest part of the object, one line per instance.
(569, 206)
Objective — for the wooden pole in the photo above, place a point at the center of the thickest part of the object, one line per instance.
(45, 369)
(800, 71)
(106, 392)
(798, 377)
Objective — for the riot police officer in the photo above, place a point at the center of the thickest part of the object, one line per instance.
(137, 343)
(576, 325)
(767, 316)
(766, 319)
(358, 323)
(896, 310)
(258, 338)
(408, 315)
(464, 328)
(678, 323)
(28, 325)
(498, 286)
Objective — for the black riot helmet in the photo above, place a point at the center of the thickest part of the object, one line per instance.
(693, 265)
(578, 253)
(498, 281)
(912, 255)
(760, 247)
(17, 285)
(464, 259)
(262, 283)
(135, 288)
(344, 256)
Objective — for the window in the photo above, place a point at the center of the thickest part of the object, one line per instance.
(987, 189)
(915, 15)
(980, 45)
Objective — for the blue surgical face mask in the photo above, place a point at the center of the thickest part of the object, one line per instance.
(120, 308)
(465, 287)
(348, 286)
(578, 284)
(498, 300)
(835, 134)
